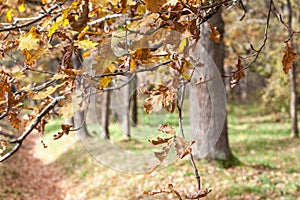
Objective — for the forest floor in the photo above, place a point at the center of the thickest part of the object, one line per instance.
(269, 168)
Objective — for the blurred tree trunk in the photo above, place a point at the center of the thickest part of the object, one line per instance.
(126, 111)
(105, 112)
(292, 74)
(201, 119)
(134, 109)
(79, 116)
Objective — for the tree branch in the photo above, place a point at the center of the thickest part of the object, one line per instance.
(35, 122)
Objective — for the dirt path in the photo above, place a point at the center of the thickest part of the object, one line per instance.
(25, 176)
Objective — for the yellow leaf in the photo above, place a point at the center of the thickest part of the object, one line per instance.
(29, 41)
(59, 76)
(53, 28)
(50, 90)
(132, 65)
(10, 14)
(21, 7)
(105, 81)
(85, 44)
(182, 45)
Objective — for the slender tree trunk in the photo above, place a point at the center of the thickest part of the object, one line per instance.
(126, 114)
(292, 74)
(134, 109)
(105, 112)
(207, 125)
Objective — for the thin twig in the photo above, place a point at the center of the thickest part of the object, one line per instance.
(179, 106)
(34, 19)
(35, 122)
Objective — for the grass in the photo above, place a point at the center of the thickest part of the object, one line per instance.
(269, 165)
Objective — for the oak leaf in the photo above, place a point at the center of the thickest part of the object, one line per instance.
(29, 40)
(85, 44)
(182, 147)
(160, 140)
(238, 74)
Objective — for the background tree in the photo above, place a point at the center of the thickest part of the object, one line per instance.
(203, 120)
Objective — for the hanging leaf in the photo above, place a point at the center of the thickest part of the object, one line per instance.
(65, 130)
(160, 140)
(182, 147)
(238, 74)
(288, 58)
(166, 129)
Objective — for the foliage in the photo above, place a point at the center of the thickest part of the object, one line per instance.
(114, 41)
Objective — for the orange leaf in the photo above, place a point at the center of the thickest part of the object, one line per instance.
(288, 58)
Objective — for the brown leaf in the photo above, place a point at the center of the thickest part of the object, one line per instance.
(83, 19)
(182, 146)
(288, 58)
(154, 5)
(160, 140)
(238, 74)
(65, 130)
(162, 155)
(166, 129)
(198, 194)
(214, 33)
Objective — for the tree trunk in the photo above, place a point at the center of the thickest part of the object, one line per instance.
(79, 116)
(134, 109)
(292, 74)
(105, 115)
(208, 100)
(126, 114)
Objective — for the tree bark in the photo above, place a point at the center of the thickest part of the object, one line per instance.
(292, 75)
(105, 112)
(208, 128)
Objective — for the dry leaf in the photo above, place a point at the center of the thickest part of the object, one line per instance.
(166, 129)
(288, 58)
(214, 33)
(238, 74)
(182, 146)
(198, 194)
(29, 40)
(160, 140)
(154, 5)
(65, 130)
(85, 44)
